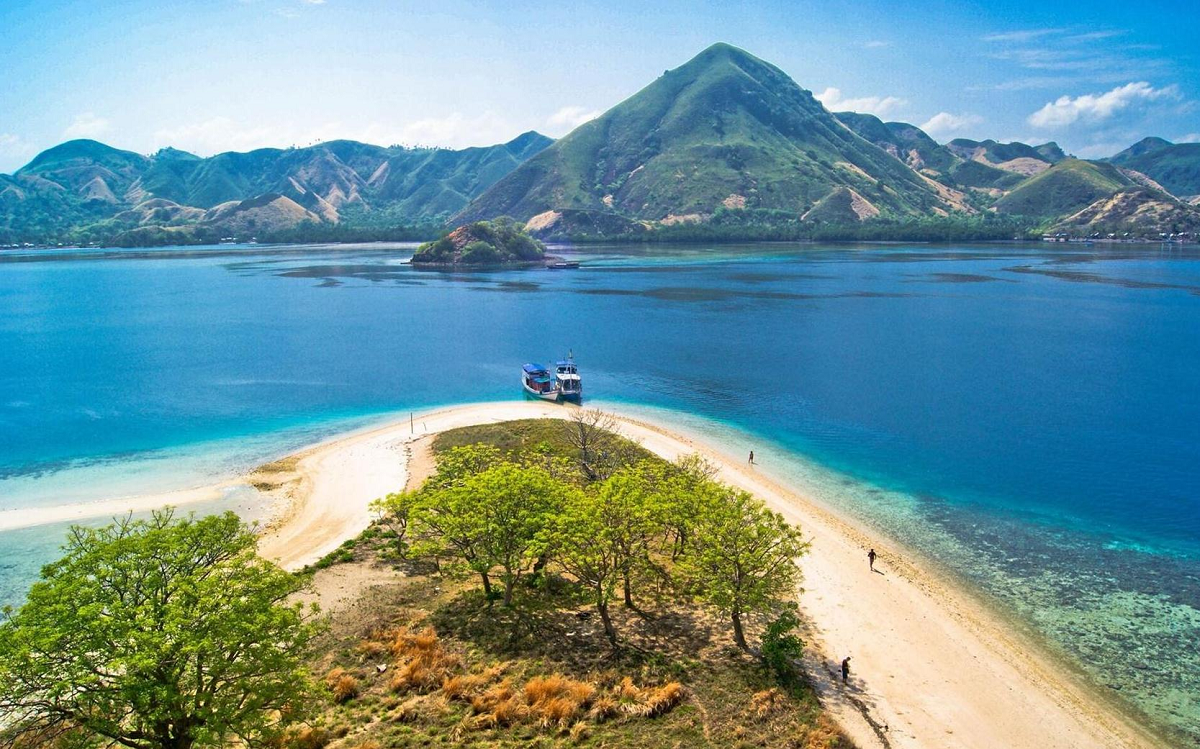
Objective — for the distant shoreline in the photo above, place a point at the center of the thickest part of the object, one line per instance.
(936, 665)
(602, 241)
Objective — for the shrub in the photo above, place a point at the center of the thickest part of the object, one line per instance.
(782, 648)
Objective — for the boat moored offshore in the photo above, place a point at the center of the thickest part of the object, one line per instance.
(536, 381)
(561, 383)
(566, 375)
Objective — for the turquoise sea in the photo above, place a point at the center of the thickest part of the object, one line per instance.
(1027, 416)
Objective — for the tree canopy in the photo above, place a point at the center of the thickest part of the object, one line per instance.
(605, 513)
(164, 633)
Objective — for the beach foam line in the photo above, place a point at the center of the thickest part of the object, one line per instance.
(28, 517)
(932, 666)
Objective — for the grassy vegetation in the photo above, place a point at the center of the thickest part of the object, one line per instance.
(1175, 166)
(427, 660)
(460, 674)
(775, 226)
(1063, 189)
(524, 436)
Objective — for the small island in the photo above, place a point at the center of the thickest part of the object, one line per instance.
(483, 243)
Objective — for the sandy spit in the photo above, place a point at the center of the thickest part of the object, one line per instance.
(931, 666)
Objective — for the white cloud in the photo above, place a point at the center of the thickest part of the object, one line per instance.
(1022, 35)
(15, 151)
(9, 142)
(1101, 149)
(86, 125)
(880, 106)
(1189, 138)
(944, 123)
(876, 44)
(452, 131)
(1093, 108)
(569, 118)
(455, 131)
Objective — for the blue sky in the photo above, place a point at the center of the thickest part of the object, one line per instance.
(213, 75)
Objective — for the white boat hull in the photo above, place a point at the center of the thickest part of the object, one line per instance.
(551, 395)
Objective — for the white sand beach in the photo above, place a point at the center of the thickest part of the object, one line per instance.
(931, 667)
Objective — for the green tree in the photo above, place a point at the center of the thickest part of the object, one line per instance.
(742, 557)
(157, 634)
(684, 491)
(490, 518)
(510, 505)
(458, 464)
(583, 543)
(394, 512)
(634, 517)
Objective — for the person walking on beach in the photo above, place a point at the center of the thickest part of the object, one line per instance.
(845, 668)
(751, 461)
(871, 559)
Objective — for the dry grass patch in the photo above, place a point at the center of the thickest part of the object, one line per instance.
(463, 686)
(343, 685)
(500, 705)
(422, 664)
(649, 702)
(603, 708)
(306, 737)
(767, 702)
(824, 735)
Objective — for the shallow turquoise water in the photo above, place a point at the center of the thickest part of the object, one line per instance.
(1028, 416)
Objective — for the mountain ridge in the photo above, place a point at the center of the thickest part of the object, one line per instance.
(725, 126)
(97, 189)
(726, 140)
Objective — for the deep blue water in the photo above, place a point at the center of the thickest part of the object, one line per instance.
(1028, 416)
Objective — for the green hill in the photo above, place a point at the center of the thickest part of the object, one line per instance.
(84, 188)
(1175, 166)
(87, 168)
(726, 130)
(906, 142)
(1135, 210)
(981, 175)
(993, 152)
(1063, 189)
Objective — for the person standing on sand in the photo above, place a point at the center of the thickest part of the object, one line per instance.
(845, 668)
(751, 461)
(871, 559)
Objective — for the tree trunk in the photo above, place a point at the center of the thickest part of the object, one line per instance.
(173, 737)
(508, 590)
(738, 635)
(540, 564)
(609, 631)
(487, 587)
(628, 593)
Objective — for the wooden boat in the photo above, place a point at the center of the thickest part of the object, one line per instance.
(566, 375)
(562, 264)
(537, 382)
